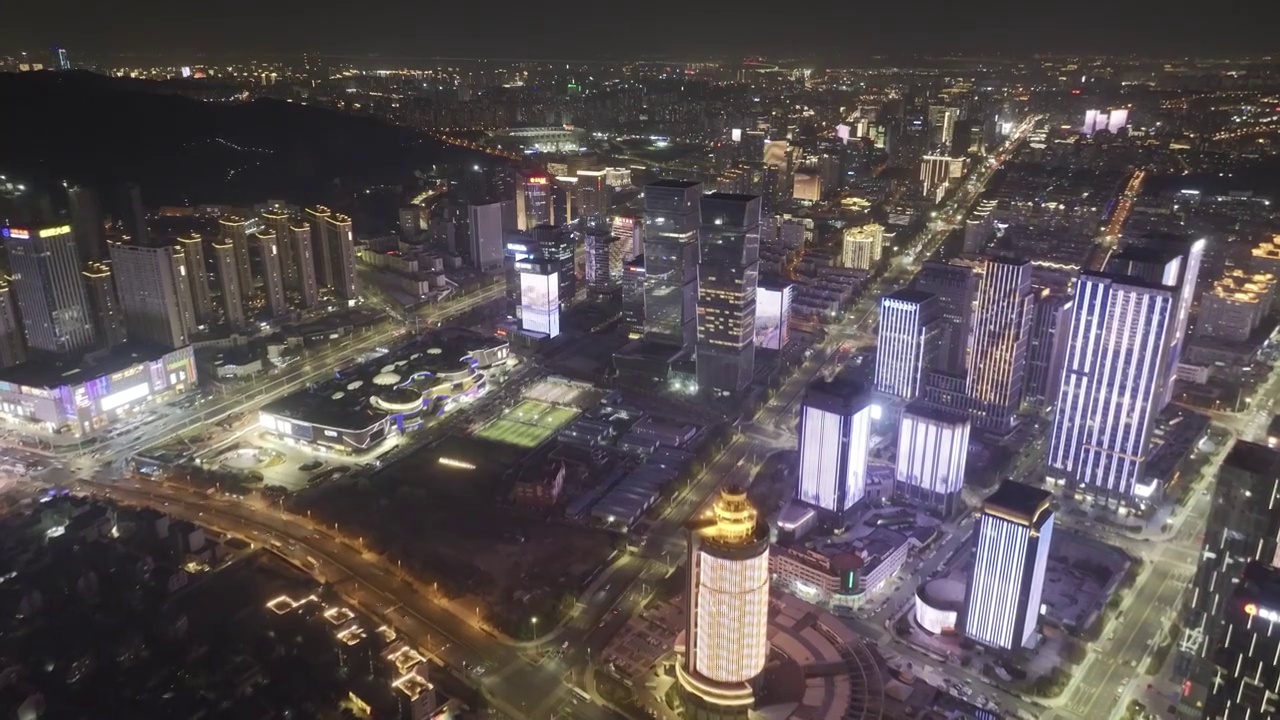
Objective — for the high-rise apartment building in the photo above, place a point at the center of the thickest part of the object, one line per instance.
(268, 252)
(862, 247)
(326, 264)
(489, 224)
(298, 237)
(234, 231)
(633, 290)
(342, 254)
(197, 277)
(50, 290)
(1112, 385)
(1047, 347)
(224, 258)
(672, 214)
(910, 326)
(835, 429)
(933, 446)
(728, 274)
(1010, 552)
(956, 287)
(277, 222)
(1243, 527)
(105, 302)
(152, 285)
(726, 639)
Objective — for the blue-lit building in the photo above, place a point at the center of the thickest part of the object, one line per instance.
(1010, 552)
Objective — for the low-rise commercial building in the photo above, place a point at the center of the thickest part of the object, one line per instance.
(97, 389)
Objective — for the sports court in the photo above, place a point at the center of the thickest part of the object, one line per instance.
(528, 424)
(562, 391)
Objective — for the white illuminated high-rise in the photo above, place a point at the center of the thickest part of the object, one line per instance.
(726, 640)
(933, 445)
(1010, 552)
(908, 342)
(835, 429)
(863, 246)
(1112, 385)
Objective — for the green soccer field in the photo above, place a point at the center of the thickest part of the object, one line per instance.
(528, 424)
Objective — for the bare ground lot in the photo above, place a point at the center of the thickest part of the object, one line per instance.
(443, 513)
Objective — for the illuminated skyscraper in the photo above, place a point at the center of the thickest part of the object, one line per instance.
(268, 248)
(1243, 527)
(1175, 264)
(594, 194)
(105, 303)
(489, 223)
(863, 246)
(13, 350)
(303, 253)
(234, 231)
(956, 287)
(671, 219)
(998, 342)
(773, 314)
(539, 295)
(1047, 347)
(197, 277)
(835, 428)
(727, 277)
(1247, 680)
(726, 639)
(604, 263)
(633, 289)
(224, 257)
(1010, 551)
(152, 285)
(1112, 385)
(50, 290)
(910, 325)
(631, 230)
(533, 201)
(932, 448)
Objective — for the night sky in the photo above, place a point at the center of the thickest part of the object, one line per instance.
(553, 29)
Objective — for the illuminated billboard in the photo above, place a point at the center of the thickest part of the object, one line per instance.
(773, 307)
(540, 302)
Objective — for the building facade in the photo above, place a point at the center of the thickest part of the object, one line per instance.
(154, 294)
(224, 258)
(835, 426)
(1112, 385)
(933, 446)
(726, 640)
(863, 246)
(1047, 348)
(910, 329)
(956, 287)
(197, 277)
(108, 315)
(672, 215)
(234, 231)
(727, 277)
(47, 282)
(1011, 550)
